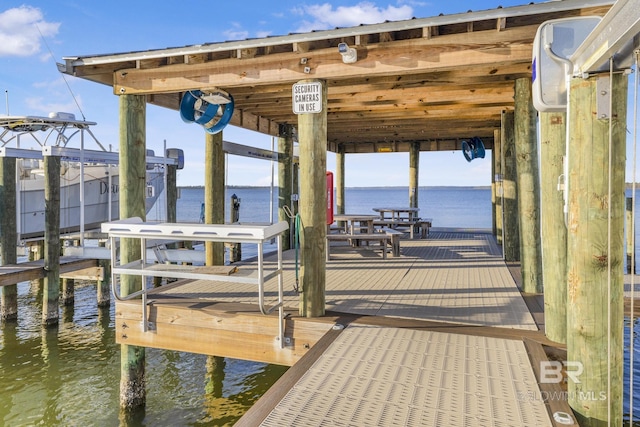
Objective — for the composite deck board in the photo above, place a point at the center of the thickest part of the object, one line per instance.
(402, 375)
(450, 277)
(399, 377)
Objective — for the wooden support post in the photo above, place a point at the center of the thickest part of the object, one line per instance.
(51, 293)
(595, 249)
(8, 235)
(414, 165)
(340, 183)
(553, 137)
(312, 134)
(340, 180)
(132, 204)
(103, 292)
(215, 367)
(630, 233)
(172, 193)
(235, 249)
(214, 194)
(68, 291)
(511, 244)
(528, 187)
(285, 180)
(36, 252)
(497, 186)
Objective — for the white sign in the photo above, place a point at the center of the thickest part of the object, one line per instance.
(307, 97)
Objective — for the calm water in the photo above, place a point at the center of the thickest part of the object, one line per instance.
(69, 375)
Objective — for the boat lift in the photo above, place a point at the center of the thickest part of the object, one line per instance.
(52, 134)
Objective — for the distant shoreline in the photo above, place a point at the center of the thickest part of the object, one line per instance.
(628, 186)
(395, 187)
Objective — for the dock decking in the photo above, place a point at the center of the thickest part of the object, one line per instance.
(379, 376)
(33, 270)
(451, 277)
(433, 337)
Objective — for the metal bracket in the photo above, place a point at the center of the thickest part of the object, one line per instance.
(603, 97)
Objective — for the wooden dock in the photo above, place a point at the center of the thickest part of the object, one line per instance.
(451, 294)
(34, 270)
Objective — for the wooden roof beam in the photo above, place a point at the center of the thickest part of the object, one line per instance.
(418, 55)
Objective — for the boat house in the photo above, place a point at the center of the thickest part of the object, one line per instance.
(420, 85)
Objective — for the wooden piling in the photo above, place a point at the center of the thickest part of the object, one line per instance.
(553, 137)
(68, 291)
(528, 183)
(132, 204)
(235, 249)
(630, 234)
(36, 252)
(340, 181)
(8, 235)
(497, 186)
(51, 292)
(103, 292)
(172, 193)
(214, 194)
(312, 134)
(285, 180)
(215, 367)
(595, 248)
(414, 165)
(511, 244)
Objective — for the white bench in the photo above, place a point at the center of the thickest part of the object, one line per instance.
(383, 238)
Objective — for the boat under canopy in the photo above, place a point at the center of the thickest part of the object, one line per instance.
(89, 184)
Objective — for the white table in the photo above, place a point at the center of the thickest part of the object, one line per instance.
(233, 233)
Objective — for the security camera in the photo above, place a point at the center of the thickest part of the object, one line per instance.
(349, 54)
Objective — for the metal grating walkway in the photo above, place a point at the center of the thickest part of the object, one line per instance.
(401, 377)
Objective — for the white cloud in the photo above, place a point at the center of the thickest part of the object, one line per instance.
(236, 33)
(45, 106)
(324, 16)
(20, 30)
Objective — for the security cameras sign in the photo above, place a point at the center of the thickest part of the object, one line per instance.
(307, 97)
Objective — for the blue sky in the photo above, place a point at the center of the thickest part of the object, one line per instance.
(36, 34)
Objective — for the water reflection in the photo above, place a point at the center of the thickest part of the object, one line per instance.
(636, 370)
(69, 374)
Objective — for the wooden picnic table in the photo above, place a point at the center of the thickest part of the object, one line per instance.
(398, 213)
(350, 221)
(358, 228)
(394, 217)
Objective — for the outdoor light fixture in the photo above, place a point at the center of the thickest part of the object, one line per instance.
(349, 54)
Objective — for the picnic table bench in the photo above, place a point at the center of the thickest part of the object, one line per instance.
(394, 237)
(421, 225)
(383, 238)
(395, 223)
(424, 224)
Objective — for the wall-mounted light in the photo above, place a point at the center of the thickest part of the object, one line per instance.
(349, 54)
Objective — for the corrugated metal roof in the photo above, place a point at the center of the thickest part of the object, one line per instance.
(471, 16)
